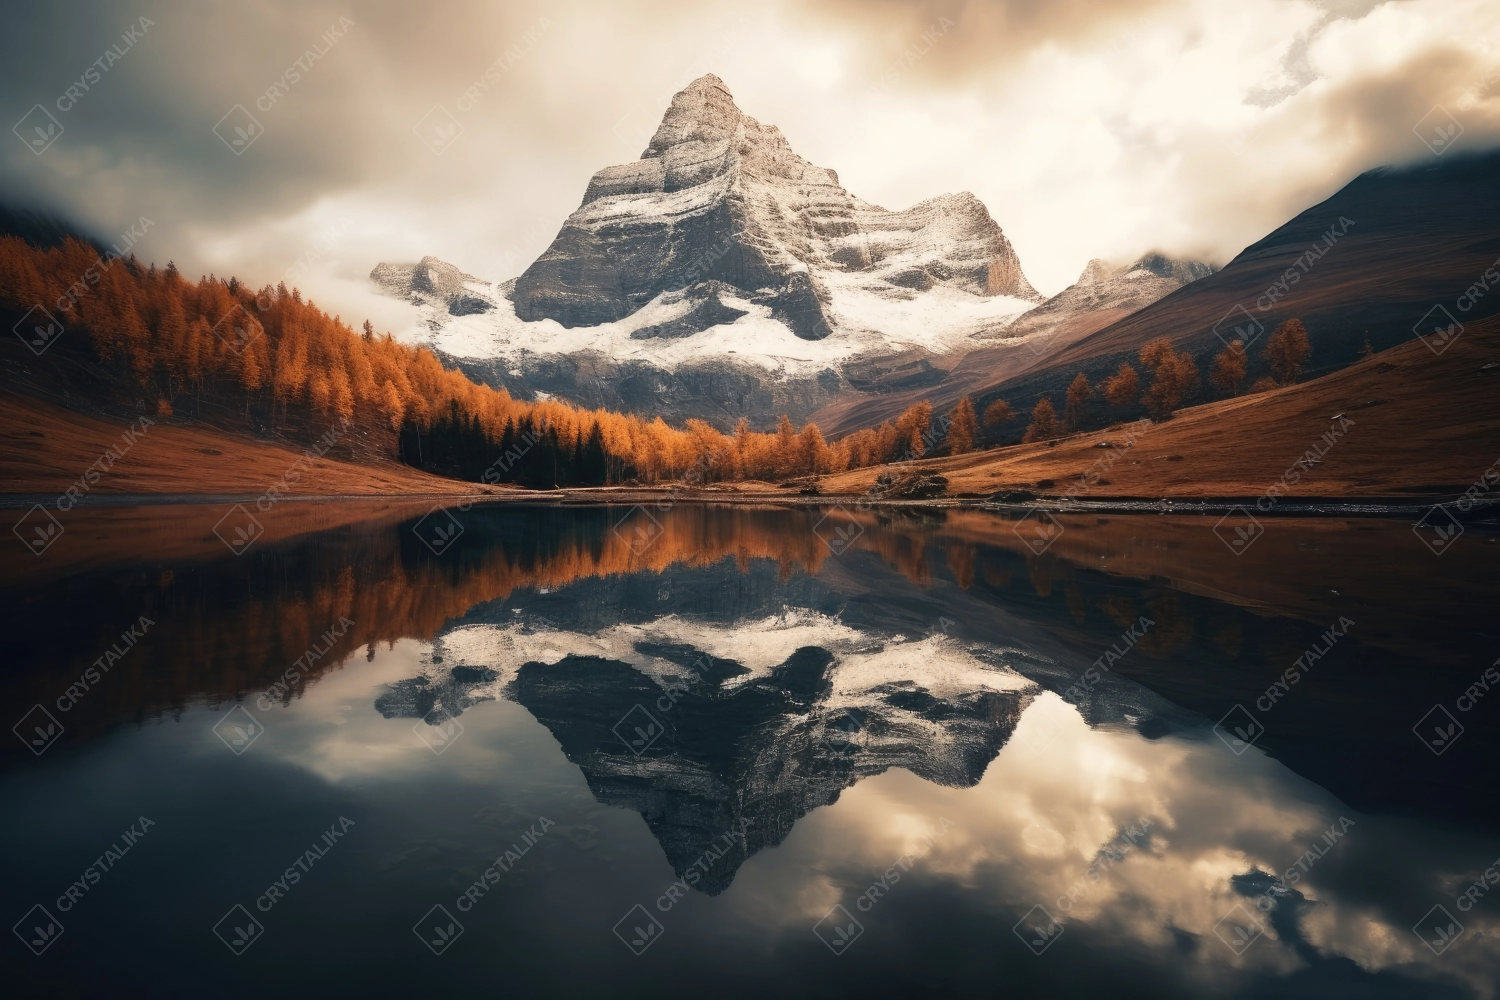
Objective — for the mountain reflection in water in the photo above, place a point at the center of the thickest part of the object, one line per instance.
(946, 691)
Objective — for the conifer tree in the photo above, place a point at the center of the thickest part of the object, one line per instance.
(1079, 394)
(1044, 423)
(962, 427)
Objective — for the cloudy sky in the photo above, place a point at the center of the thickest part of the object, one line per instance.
(1091, 128)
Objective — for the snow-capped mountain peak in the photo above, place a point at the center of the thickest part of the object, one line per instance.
(718, 196)
(722, 275)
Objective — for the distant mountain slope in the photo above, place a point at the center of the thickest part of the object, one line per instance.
(431, 282)
(1412, 239)
(39, 227)
(1101, 290)
(1098, 298)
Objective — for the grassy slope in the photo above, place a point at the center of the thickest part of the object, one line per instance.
(1421, 423)
(45, 448)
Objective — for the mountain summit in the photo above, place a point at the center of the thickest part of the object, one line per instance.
(721, 276)
(720, 204)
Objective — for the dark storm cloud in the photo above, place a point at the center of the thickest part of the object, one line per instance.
(335, 86)
(142, 133)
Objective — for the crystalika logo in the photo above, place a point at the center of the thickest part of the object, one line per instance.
(638, 730)
(639, 929)
(438, 929)
(38, 529)
(838, 929)
(38, 730)
(1238, 327)
(1438, 730)
(1438, 129)
(238, 729)
(638, 529)
(1038, 929)
(1438, 529)
(1438, 929)
(1239, 729)
(238, 929)
(438, 529)
(1038, 529)
(38, 129)
(1239, 530)
(238, 129)
(437, 129)
(438, 730)
(239, 529)
(1438, 329)
(838, 529)
(38, 929)
(38, 329)
(1238, 929)
(237, 329)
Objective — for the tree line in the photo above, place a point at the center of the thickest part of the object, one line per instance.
(281, 357)
(287, 362)
(1172, 377)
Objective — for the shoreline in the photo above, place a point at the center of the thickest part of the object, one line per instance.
(1311, 506)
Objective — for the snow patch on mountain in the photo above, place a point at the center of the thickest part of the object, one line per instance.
(1101, 287)
(722, 244)
(941, 320)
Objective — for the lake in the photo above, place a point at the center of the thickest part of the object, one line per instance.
(602, 751)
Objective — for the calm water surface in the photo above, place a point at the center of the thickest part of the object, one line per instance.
(595, 752)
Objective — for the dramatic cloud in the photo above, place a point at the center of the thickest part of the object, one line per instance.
(387, 131)
(991, 37)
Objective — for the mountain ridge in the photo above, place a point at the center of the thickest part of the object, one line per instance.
(721, 276)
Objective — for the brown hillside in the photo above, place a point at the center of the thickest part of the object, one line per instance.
(977, 371)
(45, 449)
(1420, 423)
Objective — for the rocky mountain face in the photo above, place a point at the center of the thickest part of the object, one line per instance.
(754, 759)
(434, 284)
(719, 197)
(714, 747)
(721, 275)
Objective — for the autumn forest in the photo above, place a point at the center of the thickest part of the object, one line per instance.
(293, 369)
